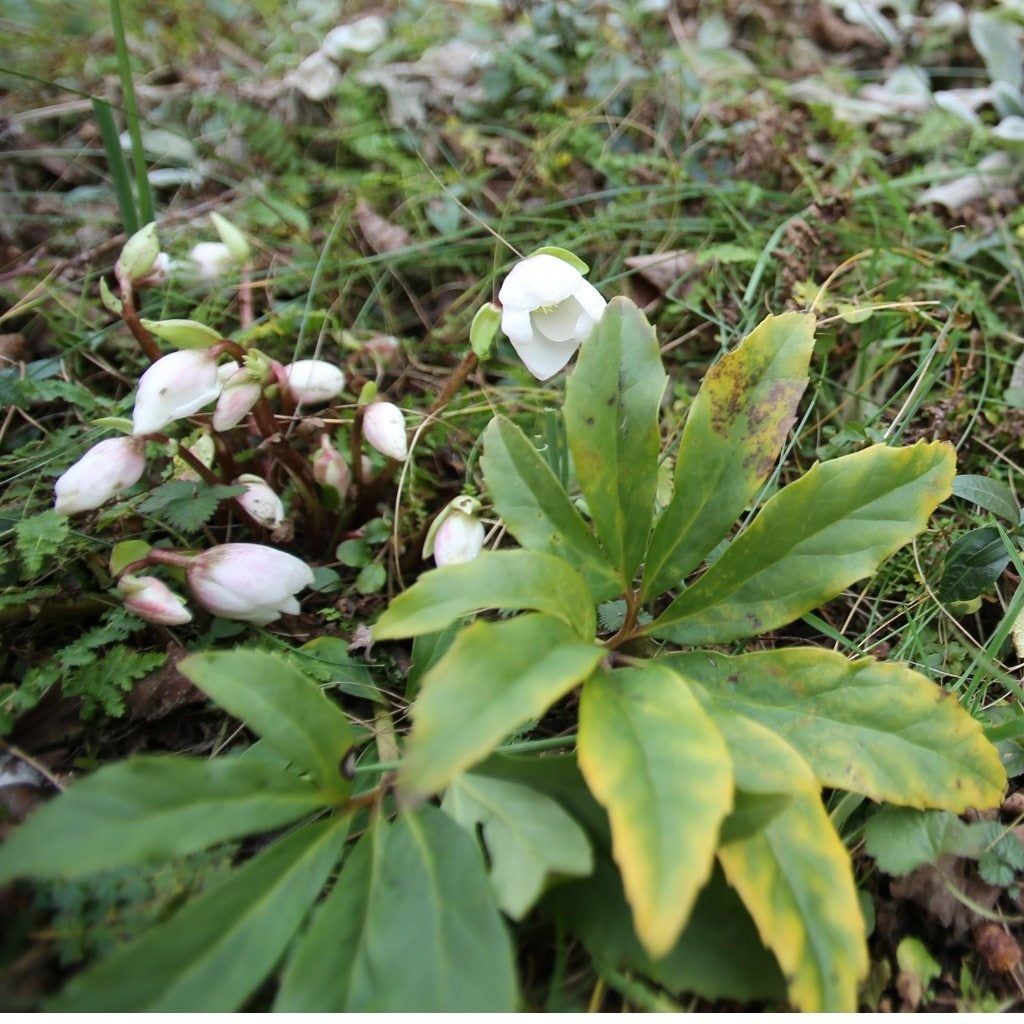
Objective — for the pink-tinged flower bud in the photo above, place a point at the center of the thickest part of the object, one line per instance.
(314, 381)
(240, 394)
(103, 471)
(384, 428)
(175, 386)
(260, 501)
(248, 582)
(460, 538)
(330, 469)
(211, 260)
(151, 599)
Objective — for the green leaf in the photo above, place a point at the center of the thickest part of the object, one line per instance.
(536, 509)
(751, 812)
(562, 254)
(611, 420)
(151, 809)
(125, 552)
(236, 242)
(718, 956)
(109, 299)
(493, 679)
(796, 880)
(280, 704)
(973, 563)
(529, 837)
(483, 329)
(813, 539)
(39, 538)
(214, 952)
(186, 505)
(643, 741)
(371, 578)
(183, 333)
(507, 580)
(992, 495)
(733, 434)
(140, 252)
(427, 650)
(411, 925)
(902, 839)
(875, 728)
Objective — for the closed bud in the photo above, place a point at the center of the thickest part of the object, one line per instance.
(241, 392)
(314, 381)
(174, 387)
(139, 255)
(460, 538)
(211, 260)
(260, 501)
(104, 470)
(330, 469)
(151, 599)
(248, 582)
(384, 428)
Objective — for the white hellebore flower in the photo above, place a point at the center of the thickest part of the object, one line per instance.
(241, 392)
(384, 428)
(248, 582)
(314, 381)
(361, 36)
(330, 469)
(460, 538)
(103, 471)
(151, 599)
(175, 386)
(211, 260)
(548, 310)
(316, 77)
(260, 501)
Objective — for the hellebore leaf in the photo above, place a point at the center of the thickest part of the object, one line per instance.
(612, 400)
(507, 580)
(733, 434)
(814, 538)
(644, 741)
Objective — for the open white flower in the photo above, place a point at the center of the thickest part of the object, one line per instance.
(103, 471)
(548, 310)
(151, 599)
(316, 77)
(248, 582)
(175, 386)
(314, 381)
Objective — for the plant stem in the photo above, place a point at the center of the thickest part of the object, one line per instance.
(526, 746)
(245, 314)
(356, 453)
(454, 382)
(131, 319)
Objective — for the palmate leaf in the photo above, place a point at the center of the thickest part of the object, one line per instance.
(214, 952)
(410, 925)
(536, 509)
(611, 421)
(796, 880)
(733, 434)
(643, 744)
(279, 703)
(866, 726)
(529, 838)
(150, 809)
(494, 678)
(828, 529)
(507, 580)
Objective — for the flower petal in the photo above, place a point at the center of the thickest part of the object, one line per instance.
(558, 323)
(541, 280)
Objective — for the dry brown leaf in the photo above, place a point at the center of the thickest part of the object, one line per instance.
(381, 234)
(664, 270)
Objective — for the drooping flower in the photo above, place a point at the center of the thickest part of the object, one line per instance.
(361, 36)
(175, 386)
(103, 471)
(384, 428)
(456, 534)
(314, 381)
(260, 501)
(211, 260)
(330, 469)
(548, 311)
(248, 582)
(151, 599)
(241, 392)
(316, 77)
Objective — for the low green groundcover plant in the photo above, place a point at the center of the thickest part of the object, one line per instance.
(685, 841)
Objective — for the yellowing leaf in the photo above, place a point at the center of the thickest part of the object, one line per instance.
(660, 768)
(797, 883)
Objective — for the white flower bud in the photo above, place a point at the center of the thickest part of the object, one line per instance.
(314, 381)
(211, 260)
(548, 311)
(260, 501)
(139, 255)
(330, 469)
(384, 428)
(248, 582)
(460, 538)
(361, 36)
(316, 77)
(151, 599)
(103, 471)
(241, 392)
(175, 386)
